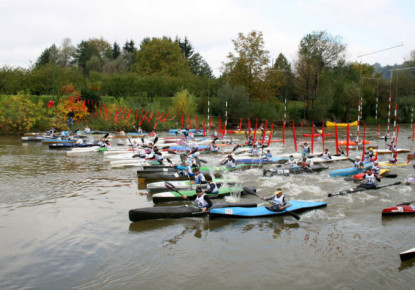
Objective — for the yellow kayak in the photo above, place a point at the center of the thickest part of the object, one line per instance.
(332, 124)
(386, 163)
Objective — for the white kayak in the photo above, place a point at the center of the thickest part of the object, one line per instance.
(82, 150)
(387, 151)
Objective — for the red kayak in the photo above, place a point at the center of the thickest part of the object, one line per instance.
(318, 135)
(399, 210)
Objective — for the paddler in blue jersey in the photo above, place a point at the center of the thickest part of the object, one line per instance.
(199, 176)
(202, 201)
(278, 200)
(268, 156)
(306, 148)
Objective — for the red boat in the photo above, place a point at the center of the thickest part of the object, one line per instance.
(399, 210)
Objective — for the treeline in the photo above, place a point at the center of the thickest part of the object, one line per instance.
(320, 84)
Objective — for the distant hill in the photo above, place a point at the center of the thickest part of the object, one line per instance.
(385, 71)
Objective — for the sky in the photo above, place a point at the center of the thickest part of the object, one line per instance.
(27, 27)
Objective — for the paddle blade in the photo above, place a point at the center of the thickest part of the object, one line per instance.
(390, 176)
(405, 203)
(170, 186)
(248, 190)
(234, 148)
(155, 140)
(216, 138)
(106, 135)
(294, 215)
(171, 152)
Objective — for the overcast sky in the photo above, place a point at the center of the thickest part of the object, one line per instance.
(365, 26)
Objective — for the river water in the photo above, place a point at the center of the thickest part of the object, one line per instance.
(64, 224)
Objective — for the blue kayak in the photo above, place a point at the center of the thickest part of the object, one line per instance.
(174, 131)
(263, 211)
(349, 171)
(260, 160)
(185, 148)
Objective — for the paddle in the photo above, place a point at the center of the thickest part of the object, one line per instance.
(155, 140)
(172, 187)
(249, 191)
(384, 176)
(233, 150)
(405, 203)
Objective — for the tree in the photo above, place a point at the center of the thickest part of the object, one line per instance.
(199, 66)
(161, 56)
(95, 48)
(47, 56)
(65, 53)
(183, 103)
(116, 50)
(317, 50)
(186, 47)
(128, 51)
(247, 67)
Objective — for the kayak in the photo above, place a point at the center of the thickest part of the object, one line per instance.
(332, 124)
(399, 210)
(169, 196)
(387, 163)
(287, 171)
(173, 212)
(166, 176)
(318, 135)
(408, 254)
(33, 138)
(361, 175)
(357, 189)
(186, 148)
(352, 143)
(350, 170)
(155, 187)
(53, 141)
(387, 151)
(263, 211)
(261, 161)
(223, 167)
(258, 132)
(71, 145)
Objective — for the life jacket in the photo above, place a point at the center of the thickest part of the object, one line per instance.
(357, 164)
(279, 201)
(201, 202)
(268, 156)
(212, 188)
(376, 169)
(230, 163)
(326, 156)
(200, 178)
(370, 179)
(292, 163)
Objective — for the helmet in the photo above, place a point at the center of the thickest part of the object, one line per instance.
(370, 149)
(358, 157)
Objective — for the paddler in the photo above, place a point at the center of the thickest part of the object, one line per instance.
(306, 162)
(376, 168)
(202, 201)
(369, 179)
(268, 155)
(292, 163)
(199, 176)
(306, 148)
(278, 200)
(325, 155)
(213, 147)
(212, 188)
(254, 150)
(357, 163)
(370, 155)
(230, 162)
